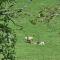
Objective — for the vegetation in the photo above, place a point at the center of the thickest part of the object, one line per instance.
(7, 35)
(38, 19)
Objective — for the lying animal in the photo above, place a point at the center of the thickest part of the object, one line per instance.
(39, 43)
(28, 39)
(42, 43)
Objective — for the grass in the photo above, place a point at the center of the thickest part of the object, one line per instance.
(41, 31)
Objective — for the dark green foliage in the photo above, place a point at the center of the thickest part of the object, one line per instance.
(33, 21)
(46, 14)
(7, 35)
(1, 1)
(8, 44)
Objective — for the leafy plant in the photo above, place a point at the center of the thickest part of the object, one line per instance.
(7, 35)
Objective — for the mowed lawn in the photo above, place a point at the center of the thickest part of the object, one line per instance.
(50, 33)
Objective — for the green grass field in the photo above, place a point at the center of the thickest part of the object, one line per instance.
(49, 32)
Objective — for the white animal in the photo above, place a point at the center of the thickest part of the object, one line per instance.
(28, 38)
(42, 43)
